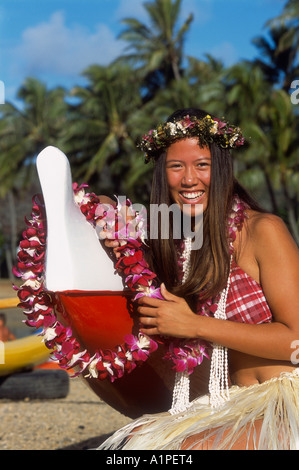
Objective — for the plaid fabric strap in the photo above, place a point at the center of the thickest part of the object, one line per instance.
(246, 302)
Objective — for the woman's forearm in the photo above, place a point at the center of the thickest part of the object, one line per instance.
(174, 318)
(269, 340)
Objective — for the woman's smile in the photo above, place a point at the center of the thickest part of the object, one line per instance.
(192, 197)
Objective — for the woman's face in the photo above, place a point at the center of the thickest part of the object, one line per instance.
(188, 171)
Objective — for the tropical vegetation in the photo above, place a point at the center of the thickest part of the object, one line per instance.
(97, 125)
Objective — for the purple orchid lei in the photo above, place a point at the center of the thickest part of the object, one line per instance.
(39, 306)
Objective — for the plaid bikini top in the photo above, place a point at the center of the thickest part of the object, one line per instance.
(246, 301)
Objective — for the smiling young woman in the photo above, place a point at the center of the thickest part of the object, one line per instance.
(209, 267)
(237, 294)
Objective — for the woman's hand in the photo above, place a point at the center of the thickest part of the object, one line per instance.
(169, 317)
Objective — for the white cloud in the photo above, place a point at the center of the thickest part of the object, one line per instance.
(52, 47)
(226, 52)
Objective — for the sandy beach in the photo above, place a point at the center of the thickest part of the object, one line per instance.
(79, 421)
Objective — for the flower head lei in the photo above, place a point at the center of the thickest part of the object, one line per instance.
(207, 130)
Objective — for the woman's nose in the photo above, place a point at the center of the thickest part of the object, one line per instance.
(189, 178)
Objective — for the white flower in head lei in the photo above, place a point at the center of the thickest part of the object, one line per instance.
(207, 130)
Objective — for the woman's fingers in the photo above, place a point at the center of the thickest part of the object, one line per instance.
(149, 331)
(147, 311)
(148, 325)
(150, 301)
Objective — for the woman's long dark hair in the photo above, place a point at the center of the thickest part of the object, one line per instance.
(209, 264)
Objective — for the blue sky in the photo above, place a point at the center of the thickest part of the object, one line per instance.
(55, 40)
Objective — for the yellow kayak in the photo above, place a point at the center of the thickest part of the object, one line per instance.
(23, 353)
(9, 303)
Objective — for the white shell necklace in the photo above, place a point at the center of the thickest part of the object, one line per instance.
(218, 382)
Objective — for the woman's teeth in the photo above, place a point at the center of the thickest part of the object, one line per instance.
(194, 195)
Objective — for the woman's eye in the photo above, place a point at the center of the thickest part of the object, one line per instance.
(175, 165)
(202, 164)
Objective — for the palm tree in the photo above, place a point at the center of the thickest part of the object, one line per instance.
(279, 52)
(287, 47)
(24, 133)
(284, 155)
(290, 13)
(103, 125)
(207, 82)
(271, 156)
(246, 91)
(247, 94)
(157, 47)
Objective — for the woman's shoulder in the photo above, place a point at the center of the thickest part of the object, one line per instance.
(263, 223)
(268, 231)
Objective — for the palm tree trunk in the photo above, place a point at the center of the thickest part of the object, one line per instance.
(270, 191)
(175, 69)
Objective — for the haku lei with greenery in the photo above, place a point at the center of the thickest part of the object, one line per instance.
(39, 305)
(207, 130)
